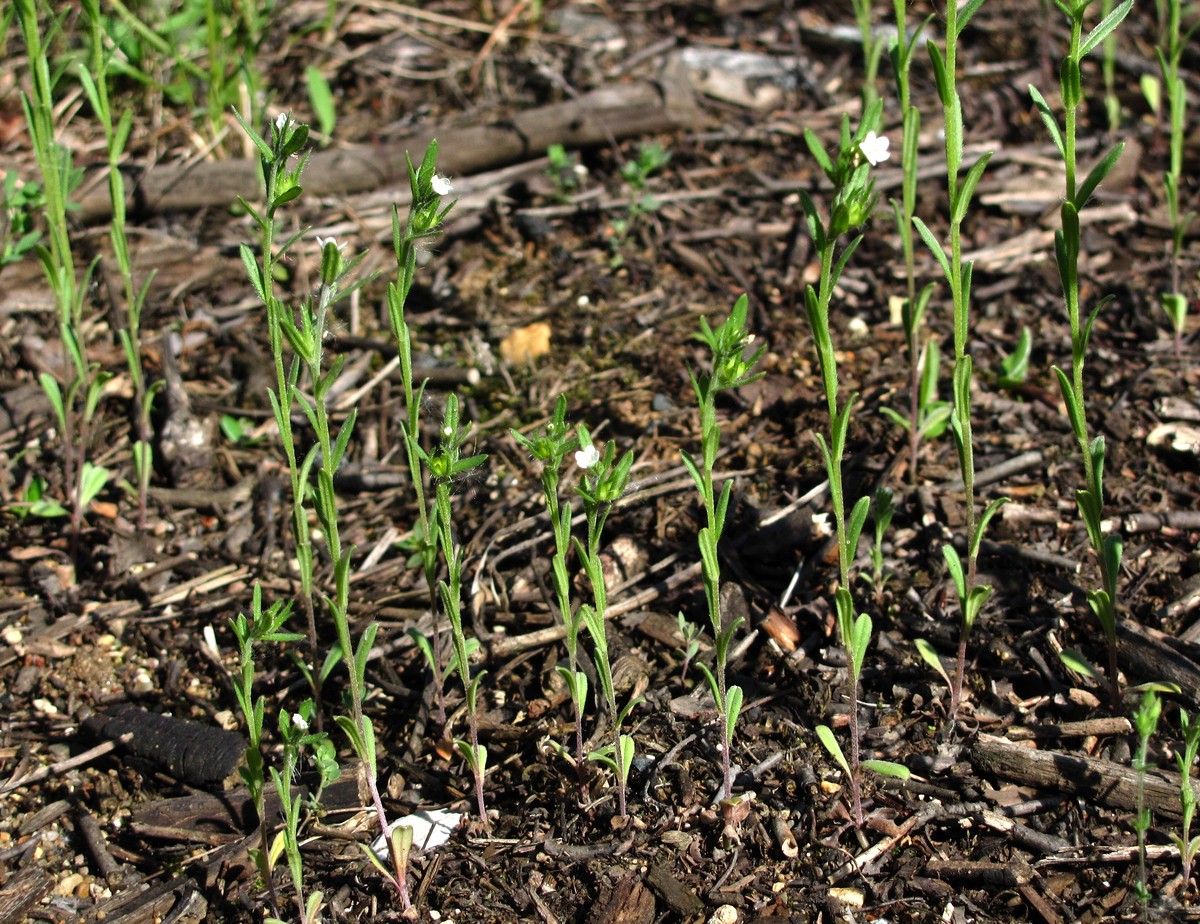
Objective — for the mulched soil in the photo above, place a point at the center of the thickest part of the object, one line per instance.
(978, 834)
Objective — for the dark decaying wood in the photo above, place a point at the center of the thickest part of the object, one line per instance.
(628, 901)
(177, 900)
(192, 752)
(1150, 655)
(21, 891)
(1099, 781)
(625, 110)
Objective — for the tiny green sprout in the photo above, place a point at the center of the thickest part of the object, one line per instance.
(18, 230)
(691, 643)
(320, 95)
(565, 172)
(1175, 305)
(930, 656)
(399, 842)
(239, 431)
(1151, 87)
(635, 174)
(1014, 367)
(882, 512)
(1173, 41)
(932, 413)
(35, 502)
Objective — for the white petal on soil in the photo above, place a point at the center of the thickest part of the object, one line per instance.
(430, 830)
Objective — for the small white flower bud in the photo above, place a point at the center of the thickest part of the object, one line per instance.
(441, 185)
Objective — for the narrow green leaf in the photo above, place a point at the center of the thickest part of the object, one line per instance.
(1097, 174)
(932, 243)
(858, 519)
(982, 525)
(1076, 662)
(830, 743)
(887, 768)
(1104, 28)
(321, 97)
(1074, 411)
(930, 656)
(962, 198)
(969, 9)
(733, 708)
(954, 566)
(897, 418)
(944, 86)
(818, 152)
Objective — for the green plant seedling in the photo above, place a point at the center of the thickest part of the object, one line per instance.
(691, 644)
(18, 231)
(886, 768)
(931, 413)
(882, 512)
(1145, 722)
(263, 626)
(1188, 844)
(604, 482)
(1090, 498)
(922, 413)
(635, 174)
(565, 172)
(320, 96)
(400, 842)
(1176, 307)
(728, 344)
(239, 431)
(1014, 367)
(854, 200)
(550, 447)
(930, 656)
(446, 466)
(294, 730)
(1170, 53)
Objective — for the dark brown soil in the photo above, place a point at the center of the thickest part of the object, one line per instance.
(119, 616)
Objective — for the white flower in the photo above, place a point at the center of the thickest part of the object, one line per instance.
(875, 149)
(441, 185)
(322, 241)
(447, 431)
(586, 457)
(282, 121)
(299, 722)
